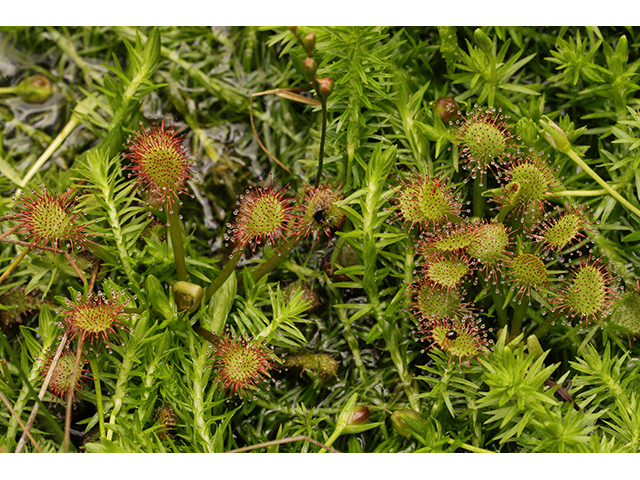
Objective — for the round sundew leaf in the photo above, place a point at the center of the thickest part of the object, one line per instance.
(433, 302)
(163, 164)
(587, 294)
(532, 180)
(240, 365)
(460, 337)
(62, 381)
(264, 215)
(409, 204)
(160, 164)
(434, 203)
(426, 201)
(563, 229)
(446, 271)
(484, 142)
(489, 243)
(96, 317)
(49, 220)
(485, 138)
(527, 271)
(455, 341)
(529, 181)
(627, 312)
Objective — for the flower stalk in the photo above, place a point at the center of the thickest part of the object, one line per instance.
(173, 225)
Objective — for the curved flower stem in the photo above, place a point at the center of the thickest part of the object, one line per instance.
(504, 211)
(67, 420)
(173, 224)
(96, 380)
(224, 274)
(14, 264)
(85, 106)
(609, 189)
(323, 135)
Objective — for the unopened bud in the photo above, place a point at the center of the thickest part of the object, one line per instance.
(447, 109)
(399, 419)
(187, 295)
(326, 87)
(309, 42)
(35, 89)
(483, 41)
(555, 136)
(359, 416)
(310, 67)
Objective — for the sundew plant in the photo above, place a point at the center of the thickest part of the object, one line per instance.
(327, 239)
